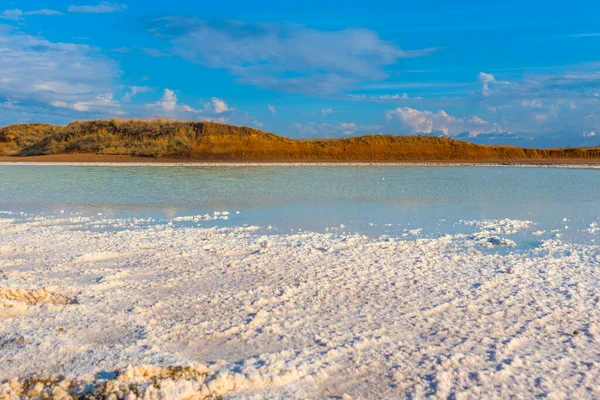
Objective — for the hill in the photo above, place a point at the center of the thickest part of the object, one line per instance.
(209, 141)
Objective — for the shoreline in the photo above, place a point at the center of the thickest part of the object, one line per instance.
(132, 161)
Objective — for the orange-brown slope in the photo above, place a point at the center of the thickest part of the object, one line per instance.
(218, 142)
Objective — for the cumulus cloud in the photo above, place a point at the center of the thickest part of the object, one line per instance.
(102, 8)
(589, 134)
(326, 111)
(272, 109)
(218, 105)
(169, 105)
(416, 121)
(213, 110)
(284, 56)
(488, 79)
(168, 102)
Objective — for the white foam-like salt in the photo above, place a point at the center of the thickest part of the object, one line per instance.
(217, 215)
(305, 315)
(504, 226)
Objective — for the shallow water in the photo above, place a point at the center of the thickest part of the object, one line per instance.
(365, 199)
(104, 267)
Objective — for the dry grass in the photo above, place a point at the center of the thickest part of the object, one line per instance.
(218, 142)
(34, 297)
(144, 382)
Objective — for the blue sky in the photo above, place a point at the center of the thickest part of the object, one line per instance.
(515, 72)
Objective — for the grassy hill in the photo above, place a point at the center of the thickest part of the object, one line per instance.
(209, 141)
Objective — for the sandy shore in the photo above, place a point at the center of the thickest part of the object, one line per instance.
(232, 313)
(98, 159)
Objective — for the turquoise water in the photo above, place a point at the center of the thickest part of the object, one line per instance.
(371, 200)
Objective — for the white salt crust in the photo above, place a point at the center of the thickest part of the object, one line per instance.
(302, 315)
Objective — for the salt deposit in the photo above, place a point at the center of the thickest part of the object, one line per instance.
(155, 310)
(217, 215)
(504, 226)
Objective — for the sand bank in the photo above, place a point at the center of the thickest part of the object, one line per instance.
(112, 160)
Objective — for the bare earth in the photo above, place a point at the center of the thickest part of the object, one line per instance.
(178, 141)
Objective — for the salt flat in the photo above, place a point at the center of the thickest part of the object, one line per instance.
(298, 315)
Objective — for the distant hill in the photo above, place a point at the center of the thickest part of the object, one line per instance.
(209, 141)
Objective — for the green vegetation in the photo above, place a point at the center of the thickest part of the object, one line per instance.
(218, 142)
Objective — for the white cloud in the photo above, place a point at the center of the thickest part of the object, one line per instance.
(43, 11)
(168, 102)
(103, 7)
(579, 35)
(416, 121)
(284, 56)
(384, 97)
(589, 134)
(14, 15)
(218, 105)
(9, 103)
(215, 110)
(134, 90)
(568, 86)
(58, 82)
(105, 102)
(404, 96)
(326, 111)
(37, 73)
(272, 109)
(348, 128)
(169, 105)
(189, 109)
(532, 103)
(564, 98)
(486, 79)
